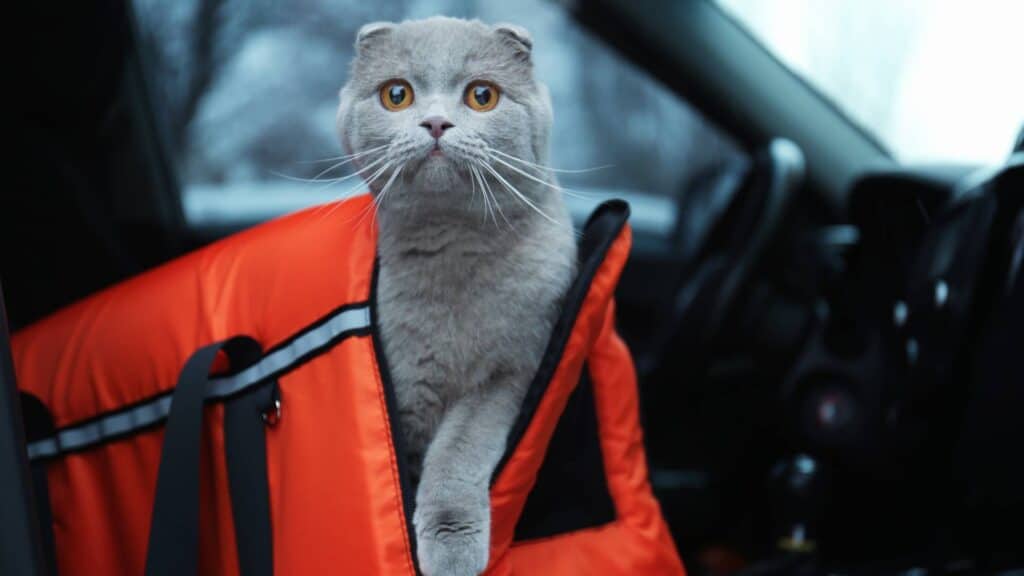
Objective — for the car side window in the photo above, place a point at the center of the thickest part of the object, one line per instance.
(247, 93)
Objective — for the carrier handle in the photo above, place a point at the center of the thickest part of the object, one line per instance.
(174, 529)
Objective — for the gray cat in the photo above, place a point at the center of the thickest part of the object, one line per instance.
(476, 252)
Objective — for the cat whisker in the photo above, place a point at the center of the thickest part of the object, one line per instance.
(561, 189)
(344, 160)
(484, 200)
(548, 168)
(354, 190)
(351, 192)
(474, 179)
(317, 180)
(379, 200)
(348, 194)
(494, 200)
(519, 194)
(373, 178)
(341, 201)
(375, 175)
(344, 156)
(359, 172)
(494, 204)
(349, 159)
(387, 186)
(327, 209)
(486, 194)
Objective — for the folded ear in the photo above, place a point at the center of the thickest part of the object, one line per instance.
(372, 33)
(517, 37)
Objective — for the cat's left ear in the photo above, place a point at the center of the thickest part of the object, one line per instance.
(516, 37)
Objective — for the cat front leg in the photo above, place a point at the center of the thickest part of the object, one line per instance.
(453, 510)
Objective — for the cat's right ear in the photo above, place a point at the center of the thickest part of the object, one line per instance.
(372, 33)
(517, 37)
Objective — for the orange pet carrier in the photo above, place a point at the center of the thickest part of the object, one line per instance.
(230, 412)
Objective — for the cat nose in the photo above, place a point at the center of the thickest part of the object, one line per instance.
(436, 125)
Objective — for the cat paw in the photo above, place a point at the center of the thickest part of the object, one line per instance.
(453, 546)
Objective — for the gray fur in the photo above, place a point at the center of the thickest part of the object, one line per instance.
(467, 296)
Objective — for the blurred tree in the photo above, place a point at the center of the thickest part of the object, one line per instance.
(189, 42)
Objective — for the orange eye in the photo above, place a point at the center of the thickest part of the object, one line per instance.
(482, 96)
(396, 95)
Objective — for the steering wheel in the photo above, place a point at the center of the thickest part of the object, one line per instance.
(727, 255)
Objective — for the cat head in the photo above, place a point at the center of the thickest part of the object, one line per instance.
(436, 97)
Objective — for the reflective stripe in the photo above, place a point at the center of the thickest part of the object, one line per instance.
(320, 336)
(94, 432)
(283, 358)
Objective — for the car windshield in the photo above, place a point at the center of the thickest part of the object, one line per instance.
(934, 81)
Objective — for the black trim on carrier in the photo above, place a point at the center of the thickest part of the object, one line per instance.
(397, 438)
(599, 234)
(571, 491)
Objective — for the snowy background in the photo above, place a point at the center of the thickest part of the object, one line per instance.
(248, 91)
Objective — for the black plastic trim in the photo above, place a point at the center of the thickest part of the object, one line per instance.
(571, 492)
(599, 234)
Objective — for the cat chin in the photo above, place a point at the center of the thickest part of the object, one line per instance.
(437, 173)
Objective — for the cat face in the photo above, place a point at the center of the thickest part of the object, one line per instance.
(430, 102)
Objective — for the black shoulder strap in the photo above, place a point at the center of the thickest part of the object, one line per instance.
(245, 446)
(174, 529)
